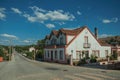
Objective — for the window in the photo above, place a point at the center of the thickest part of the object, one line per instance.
(61, 40)
(96, 53)
(48, 54)
(106, 52)
(55, 54)
(61, 55)
(78, 55)
(86, 54)
(53, 41)
(86, 39)
(118, 53)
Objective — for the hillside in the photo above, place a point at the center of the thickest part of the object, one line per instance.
(113, 40)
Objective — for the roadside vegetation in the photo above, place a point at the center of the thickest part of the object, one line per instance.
(4, 50)
(35, 54)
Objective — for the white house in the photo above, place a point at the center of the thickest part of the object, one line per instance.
(31, 49)
(78, 43)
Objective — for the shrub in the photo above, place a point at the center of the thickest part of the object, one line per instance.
(93, 60)
(30, 55)
(75, 63)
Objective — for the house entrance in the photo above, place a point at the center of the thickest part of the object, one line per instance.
(86, 54)
(51, 55)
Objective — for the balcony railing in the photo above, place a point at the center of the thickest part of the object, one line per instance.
(86, 45)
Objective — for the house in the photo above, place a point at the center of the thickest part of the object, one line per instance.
(116, 52)
(31, 49)
(64, 44)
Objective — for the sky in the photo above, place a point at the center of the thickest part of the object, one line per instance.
(23, 22)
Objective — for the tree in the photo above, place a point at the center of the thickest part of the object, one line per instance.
(40, 48)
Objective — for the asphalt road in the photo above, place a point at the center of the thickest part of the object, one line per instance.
(21, 68)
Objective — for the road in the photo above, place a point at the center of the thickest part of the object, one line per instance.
(21, 68)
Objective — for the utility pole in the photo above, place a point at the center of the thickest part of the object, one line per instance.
(10, 49)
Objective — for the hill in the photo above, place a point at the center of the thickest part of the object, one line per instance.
(113, 40)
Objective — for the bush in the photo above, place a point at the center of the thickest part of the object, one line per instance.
(75, 63)
(93, 60)
(30, 55)
(39, 54)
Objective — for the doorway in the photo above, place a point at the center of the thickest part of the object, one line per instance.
(51, 55)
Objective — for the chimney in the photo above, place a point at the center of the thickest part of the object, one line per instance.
(96, 33)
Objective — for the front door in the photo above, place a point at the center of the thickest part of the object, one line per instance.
(86, 54)
(51, 55)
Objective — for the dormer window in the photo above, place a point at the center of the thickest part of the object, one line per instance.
(54, 41)
(61, 40)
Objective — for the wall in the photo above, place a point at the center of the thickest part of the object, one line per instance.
(77, 44)
(58, 51)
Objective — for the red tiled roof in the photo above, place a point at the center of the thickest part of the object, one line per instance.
(72, 32)
(55, 32)
(66, 31)
(103, 43)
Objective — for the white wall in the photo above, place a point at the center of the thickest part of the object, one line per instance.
(77, 44)
(58, 52)
(69, 38)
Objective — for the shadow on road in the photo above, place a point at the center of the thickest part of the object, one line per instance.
(52, 68)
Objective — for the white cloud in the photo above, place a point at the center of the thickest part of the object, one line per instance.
(35, 8)
(105, 35)
(50, 25)
(61, 23)
(15, 10)
(79, 13)
(9, 36)
(41, 15)
(2, 13)
(26, 41)
(113, 20)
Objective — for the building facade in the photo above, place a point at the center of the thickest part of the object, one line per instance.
(116, 52)
(77, 43)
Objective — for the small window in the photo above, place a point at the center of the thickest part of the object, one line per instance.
(61, 40)
(96, 53)
(61, 55)
(48, 54)
(54, 41)
(78, 55)
(106, 52)
(56, 55)
(86, 39)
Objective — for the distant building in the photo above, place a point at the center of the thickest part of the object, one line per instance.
(31, 49)
(76, 43)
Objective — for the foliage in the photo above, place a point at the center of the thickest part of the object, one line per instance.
(76, 63)
(39, 54)
(2, 52)
(113, 40)
(30, 55)
(40, 48)
(93, 59)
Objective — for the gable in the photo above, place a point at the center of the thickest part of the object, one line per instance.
(80, 38)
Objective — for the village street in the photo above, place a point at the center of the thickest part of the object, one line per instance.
(21, 68)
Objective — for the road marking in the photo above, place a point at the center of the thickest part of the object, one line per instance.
(99, 75)
(88, 76)
(73, 77)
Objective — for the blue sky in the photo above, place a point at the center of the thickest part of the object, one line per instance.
(26, 21)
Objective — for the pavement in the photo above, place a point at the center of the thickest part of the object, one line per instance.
(21, 68)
